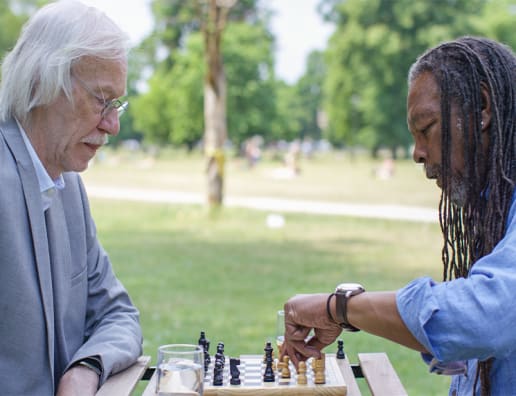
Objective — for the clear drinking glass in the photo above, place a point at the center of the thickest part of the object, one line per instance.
(180, 370)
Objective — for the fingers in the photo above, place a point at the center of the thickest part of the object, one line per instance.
(299, 351)
(304, 313)
(295, 332)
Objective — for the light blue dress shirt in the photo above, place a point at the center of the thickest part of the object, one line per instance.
(472, 318)
(47, 186)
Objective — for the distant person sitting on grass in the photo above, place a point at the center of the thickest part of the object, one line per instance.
(462, 115)
(67, 323)
(386, 169)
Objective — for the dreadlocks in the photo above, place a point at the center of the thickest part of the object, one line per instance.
(461, 68)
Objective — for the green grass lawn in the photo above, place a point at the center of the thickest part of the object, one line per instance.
(188, 270)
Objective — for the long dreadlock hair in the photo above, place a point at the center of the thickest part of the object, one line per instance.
(461, 67)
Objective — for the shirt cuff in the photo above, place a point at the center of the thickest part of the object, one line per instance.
(92, 362)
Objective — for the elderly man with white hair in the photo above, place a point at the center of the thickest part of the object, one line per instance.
(67, 321)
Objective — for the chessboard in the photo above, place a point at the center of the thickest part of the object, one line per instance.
(251, 376)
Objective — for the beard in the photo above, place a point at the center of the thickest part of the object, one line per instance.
(457, 190)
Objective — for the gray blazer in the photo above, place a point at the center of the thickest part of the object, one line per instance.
(59, 298)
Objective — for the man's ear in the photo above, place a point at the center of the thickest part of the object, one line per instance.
(486, 107)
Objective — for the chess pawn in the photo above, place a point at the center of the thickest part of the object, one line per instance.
(322, 361)
(285, 369)
(340, 350)
(279, 366)
(301, 374)
(319, 366)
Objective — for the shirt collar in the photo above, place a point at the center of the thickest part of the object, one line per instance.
(47, 186)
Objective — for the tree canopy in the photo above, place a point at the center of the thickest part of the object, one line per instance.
(368, 58)
(358, 83)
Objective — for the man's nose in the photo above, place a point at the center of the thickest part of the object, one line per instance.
(419, 154)
(110, 122)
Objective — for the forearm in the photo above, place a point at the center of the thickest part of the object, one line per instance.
(377, 313)
(79, 381)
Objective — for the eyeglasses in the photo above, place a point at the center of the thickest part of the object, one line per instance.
(107, 105)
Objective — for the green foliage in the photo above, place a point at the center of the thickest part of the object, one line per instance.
(289, 112)
(249, 71)
(151, 110)
(497, 21)
(298, 105)
(368, 58)
(12, 19)
(172, 109)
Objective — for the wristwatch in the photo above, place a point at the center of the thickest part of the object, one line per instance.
(343, 293)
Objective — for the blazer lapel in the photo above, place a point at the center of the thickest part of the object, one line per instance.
(38, 230)
(59, 246)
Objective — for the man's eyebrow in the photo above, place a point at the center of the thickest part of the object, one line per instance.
(421, 114)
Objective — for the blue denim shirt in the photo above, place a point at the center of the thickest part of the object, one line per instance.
(471, 318)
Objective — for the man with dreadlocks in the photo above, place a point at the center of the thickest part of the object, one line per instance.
(462, 115)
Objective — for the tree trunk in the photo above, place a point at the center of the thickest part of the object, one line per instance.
(215, 125)
(214, 136)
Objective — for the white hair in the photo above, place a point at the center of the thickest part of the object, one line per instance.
(39, 67)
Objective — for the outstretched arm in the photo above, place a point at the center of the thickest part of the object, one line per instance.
(374, 312)
(377, 313)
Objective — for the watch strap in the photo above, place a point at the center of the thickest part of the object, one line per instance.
(328, 307)
(342, 298)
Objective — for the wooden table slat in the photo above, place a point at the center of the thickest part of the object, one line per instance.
(380, 375)
(349, 378)
(124, 382)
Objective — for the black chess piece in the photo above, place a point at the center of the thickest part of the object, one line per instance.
(340, 350)
(218, 370)
(220, 352)
(205, 344)
(202, 338)
(235, 372)
(268, 375)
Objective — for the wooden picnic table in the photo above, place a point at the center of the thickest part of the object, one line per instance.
(376, 368)
(124, 382)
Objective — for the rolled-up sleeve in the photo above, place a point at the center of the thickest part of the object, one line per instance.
(470, 317)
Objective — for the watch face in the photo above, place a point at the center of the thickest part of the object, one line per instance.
(349, 286)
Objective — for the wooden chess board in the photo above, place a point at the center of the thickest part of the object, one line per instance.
(251, 376)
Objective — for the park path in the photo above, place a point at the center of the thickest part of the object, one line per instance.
(269, 204)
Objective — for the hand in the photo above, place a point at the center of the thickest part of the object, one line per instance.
(303, 313)
(78, 381)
